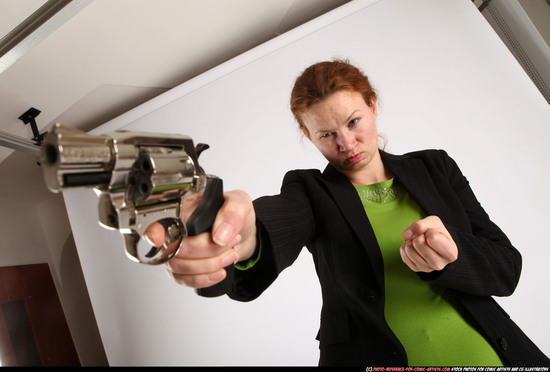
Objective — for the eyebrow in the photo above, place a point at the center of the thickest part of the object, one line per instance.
(346, 121)
(324, 131)
(352, 115)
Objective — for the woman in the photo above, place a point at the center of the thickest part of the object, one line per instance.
(406, 256)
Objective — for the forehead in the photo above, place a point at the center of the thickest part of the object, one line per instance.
(337, 105)
(341, 99)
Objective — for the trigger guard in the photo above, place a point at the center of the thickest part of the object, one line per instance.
(142, 251)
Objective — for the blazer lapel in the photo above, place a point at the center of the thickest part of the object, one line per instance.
(414, 176)
(347, 199)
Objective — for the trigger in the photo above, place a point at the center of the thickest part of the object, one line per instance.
(174, 232)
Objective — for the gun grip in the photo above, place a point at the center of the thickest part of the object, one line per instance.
(201, 221)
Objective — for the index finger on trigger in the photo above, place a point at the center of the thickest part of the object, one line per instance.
(155, 234)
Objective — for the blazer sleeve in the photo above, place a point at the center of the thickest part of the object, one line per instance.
(487, 262)
(286, 223)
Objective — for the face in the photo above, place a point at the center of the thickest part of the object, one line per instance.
(343, 128)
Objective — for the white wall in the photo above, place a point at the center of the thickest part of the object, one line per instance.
(36, 230)
(18, 245)
(445, 81)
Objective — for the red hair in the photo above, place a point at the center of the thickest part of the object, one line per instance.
(321, 80)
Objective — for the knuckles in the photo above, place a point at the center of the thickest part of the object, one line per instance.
(237, 206)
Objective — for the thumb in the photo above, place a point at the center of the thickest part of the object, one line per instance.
(231, 218)
(421, 227)
(412, 231)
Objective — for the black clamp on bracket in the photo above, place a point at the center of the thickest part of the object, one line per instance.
(28, 117)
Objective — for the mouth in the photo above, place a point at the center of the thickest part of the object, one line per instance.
(354, 158)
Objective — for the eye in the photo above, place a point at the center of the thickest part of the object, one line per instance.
(327, 135)
(353, 122)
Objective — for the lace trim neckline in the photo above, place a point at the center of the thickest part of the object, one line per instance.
(380, 193)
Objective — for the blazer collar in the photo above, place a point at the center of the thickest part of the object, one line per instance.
(409, 171)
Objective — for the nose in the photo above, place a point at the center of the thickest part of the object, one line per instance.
(346, 141)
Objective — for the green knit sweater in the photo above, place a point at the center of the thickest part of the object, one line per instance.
(432, 331)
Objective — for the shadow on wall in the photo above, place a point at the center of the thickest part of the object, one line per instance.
(78, 308)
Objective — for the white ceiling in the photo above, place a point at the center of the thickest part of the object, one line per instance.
(100, 58)
(104, 57)
(112, 55)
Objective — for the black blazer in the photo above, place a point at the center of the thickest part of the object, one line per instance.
(323, 212)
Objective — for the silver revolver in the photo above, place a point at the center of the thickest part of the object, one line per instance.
(140, 178)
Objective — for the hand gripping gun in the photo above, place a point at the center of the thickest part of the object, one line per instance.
(140, 178)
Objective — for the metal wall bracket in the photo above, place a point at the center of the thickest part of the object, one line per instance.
(29, 118)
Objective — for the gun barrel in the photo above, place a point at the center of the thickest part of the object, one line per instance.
(72, 158)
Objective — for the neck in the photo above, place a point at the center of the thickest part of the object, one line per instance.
(368, 178)
(371, 173)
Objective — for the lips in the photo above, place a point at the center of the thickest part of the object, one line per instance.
(354, 158)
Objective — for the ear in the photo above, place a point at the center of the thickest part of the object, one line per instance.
(374, 106)
(305, 132)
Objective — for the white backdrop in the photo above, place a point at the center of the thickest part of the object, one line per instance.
(445, 81)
